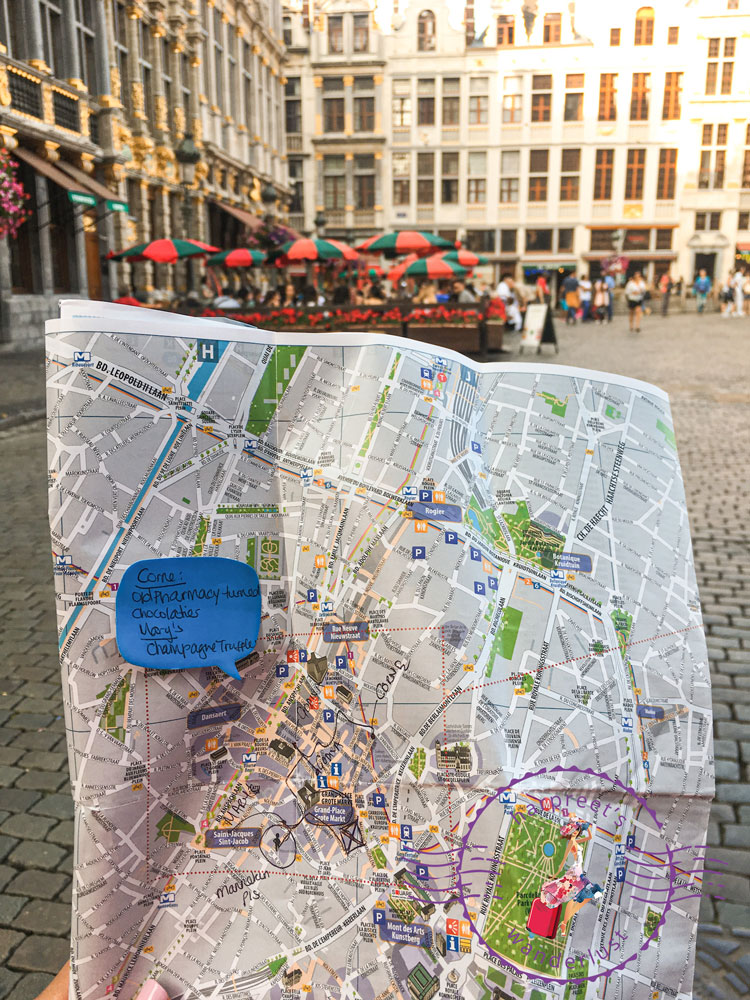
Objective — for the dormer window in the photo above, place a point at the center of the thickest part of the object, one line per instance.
(426, 31)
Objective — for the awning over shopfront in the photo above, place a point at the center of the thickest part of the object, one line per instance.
(85, 182)
(252, 222)
(48, 170)
(641, 255)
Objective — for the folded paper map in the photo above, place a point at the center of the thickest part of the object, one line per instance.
(444, 730)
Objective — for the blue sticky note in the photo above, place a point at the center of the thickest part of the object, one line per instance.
(173, 614)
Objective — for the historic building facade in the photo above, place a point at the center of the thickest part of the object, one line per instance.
(542, 134)
(100, 98)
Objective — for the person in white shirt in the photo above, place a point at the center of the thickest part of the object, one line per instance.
(505, 291)
(226, 300)
(635, 291)
(584, 290)
(738, 283)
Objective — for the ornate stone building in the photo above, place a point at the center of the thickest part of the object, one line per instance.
(543, 134)
(98, 101)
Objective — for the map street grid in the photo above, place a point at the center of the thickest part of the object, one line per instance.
(480, 617)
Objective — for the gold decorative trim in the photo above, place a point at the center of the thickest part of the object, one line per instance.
(160, 113)
(108, 101)
(78, 84)
(5, 98)
(39, 65)
(87, 162)
(8, 137)
(133, 12)
(48, 107)
(178, 120)
(114, 82)
(137, 100)
(49, 151)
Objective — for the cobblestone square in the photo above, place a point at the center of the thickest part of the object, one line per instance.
(703, 362)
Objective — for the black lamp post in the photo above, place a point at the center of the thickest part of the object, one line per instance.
(187, 155)
(320, 224)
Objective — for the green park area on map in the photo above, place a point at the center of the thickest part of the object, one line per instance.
(504, 641)
(273, 384)
(525, 868)
(113, 718)
(170, 826)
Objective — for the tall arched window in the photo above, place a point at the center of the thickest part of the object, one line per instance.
(426, 31)
(644, 26)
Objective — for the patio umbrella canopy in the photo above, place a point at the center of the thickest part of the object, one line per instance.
(163, 251)
(466, 258)
(397, 271)
(406, 241)
(309, 249)
(435, 267)
(241, 257)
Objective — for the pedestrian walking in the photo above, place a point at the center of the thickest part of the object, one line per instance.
(635, 292)
(506, 291)
(584, 290)
(600, 300)
(542, 289)
(726, 297)
(746, 292)
(610, 283)
(738, 283)
(665, 287)
(701, 288)
(572, 299)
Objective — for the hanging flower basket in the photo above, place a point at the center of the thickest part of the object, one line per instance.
(13, 198)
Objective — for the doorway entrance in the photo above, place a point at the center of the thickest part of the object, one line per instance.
(707, 261)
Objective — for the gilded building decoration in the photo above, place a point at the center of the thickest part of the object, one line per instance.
(166, 164)
(114, 82)
(8, 137)
(137, 100)
(178, 120)
(5, 98)
(48, 106)
(142, 149)
(201, 172)
(160, 113)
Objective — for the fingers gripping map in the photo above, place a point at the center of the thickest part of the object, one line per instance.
(469, 752)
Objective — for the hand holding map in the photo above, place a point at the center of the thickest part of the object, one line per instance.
(479, 672)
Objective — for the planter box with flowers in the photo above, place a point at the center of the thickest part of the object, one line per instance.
(442, 325)
(13, 211)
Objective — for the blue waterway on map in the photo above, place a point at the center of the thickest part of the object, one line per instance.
(472, 516)
(204, 372)
(133, 508)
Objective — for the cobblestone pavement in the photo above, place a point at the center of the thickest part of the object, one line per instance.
(704, 364)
